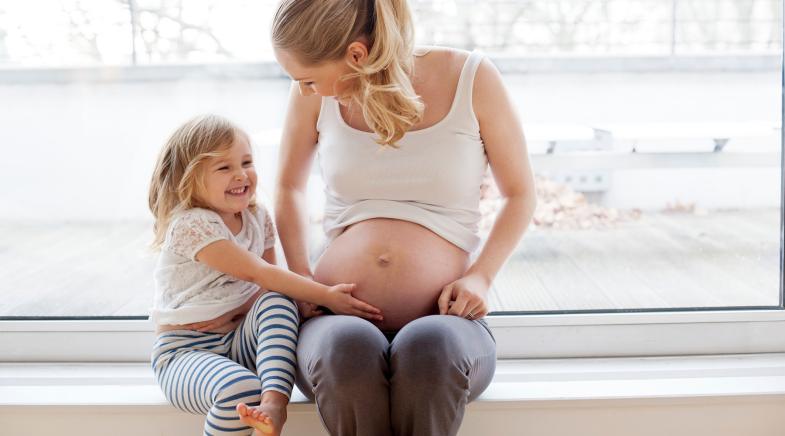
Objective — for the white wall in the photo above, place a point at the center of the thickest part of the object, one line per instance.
(85, 150)
(758, 416)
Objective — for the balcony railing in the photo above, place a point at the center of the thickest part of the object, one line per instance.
(143, 32)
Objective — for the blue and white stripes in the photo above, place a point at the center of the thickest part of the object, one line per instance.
(209, 374)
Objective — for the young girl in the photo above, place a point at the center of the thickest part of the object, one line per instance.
(217, 264)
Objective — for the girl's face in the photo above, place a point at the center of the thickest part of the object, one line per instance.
(230, 179)
(321, 79)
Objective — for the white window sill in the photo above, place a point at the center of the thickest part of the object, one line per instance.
(692, 396)
(517, 382)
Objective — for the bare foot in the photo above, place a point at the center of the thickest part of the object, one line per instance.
(268, 418)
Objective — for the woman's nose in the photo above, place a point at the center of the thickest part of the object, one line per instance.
(240, 176)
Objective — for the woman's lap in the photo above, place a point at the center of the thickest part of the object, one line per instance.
(428, 344)
(424, 377)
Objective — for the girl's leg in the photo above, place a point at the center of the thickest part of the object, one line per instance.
(195, 377)
(266, 343)
(342, 363)
(439, 363)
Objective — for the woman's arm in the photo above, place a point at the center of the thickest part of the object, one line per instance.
(298, 145)
(505, 146)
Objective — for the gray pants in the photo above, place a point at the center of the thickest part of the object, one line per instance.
(416, 383)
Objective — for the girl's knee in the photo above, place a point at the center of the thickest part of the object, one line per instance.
(275, 304)
(272, 298)
(245, 388)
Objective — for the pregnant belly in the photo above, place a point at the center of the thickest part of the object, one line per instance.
(398, 266)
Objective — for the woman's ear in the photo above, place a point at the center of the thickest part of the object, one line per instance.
(357, 53)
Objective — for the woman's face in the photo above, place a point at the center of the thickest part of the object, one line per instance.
(321, 79)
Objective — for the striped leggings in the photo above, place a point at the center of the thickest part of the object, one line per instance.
(210, 373)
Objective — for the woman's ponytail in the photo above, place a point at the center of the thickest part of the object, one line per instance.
(382, 86)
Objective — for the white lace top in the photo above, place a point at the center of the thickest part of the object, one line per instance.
(188, 291)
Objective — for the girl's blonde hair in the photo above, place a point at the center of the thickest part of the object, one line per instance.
(319, 31)
(178, 178)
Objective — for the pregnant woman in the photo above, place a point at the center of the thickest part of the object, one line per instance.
(403, 139)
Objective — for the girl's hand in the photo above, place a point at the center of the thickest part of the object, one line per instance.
(341, 302)
(308, 310)
(465, 297)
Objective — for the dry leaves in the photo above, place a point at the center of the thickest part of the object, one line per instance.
(558, 207)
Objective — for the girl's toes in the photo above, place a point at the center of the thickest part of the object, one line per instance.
(242, 409)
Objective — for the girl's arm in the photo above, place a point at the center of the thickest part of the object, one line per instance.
(505, 147)
(231, 259)
(298, 145)
(269, 257)
(228, 321)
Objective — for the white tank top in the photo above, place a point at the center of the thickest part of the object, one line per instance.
(433, 178)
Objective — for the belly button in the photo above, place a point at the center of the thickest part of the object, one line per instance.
(383, 260)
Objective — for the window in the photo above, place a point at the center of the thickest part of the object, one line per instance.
(655, 128)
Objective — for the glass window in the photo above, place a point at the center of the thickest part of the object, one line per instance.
(654, 128)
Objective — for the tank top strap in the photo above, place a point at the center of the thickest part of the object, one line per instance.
(464, 115)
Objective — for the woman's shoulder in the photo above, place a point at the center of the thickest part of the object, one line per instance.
(439, 59)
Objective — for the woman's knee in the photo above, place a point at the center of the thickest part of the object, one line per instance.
(343, 350)
(429, 349)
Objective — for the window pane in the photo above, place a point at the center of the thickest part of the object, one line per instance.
(653, 127)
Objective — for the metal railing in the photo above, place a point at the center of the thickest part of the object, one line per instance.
(139, 32)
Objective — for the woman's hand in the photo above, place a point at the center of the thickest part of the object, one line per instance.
(308, 310)
(465, 297)
(341, 302)
(226, 322)
(223, 324)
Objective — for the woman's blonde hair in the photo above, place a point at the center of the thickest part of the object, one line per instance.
(178, 178)
(319, 31)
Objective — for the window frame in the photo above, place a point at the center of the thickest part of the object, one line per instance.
(532, 336)
(558, 335)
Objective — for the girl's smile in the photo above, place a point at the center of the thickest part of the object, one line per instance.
(240, 192)
(230, 180)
